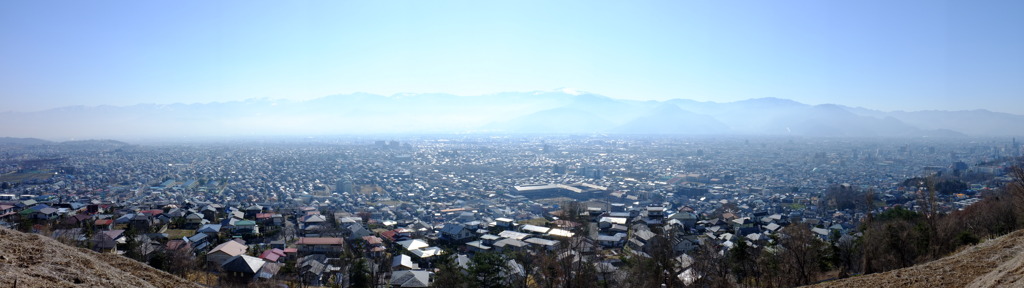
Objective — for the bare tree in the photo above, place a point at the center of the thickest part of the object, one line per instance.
(801, 254)
(711, 267)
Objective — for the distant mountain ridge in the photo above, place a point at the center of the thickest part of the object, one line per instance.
(543, 112)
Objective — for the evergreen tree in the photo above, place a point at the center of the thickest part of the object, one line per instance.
(485, 270)
(131, 244)
(449, 274)
(358, 277)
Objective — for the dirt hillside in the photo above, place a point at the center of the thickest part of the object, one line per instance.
(38, 261)
(994, 263)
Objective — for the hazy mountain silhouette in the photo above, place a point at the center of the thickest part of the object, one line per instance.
(973, 122)
(670, 119)
(22, 141)
(561, 111)
(558, 120)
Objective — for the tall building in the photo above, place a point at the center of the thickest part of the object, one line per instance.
(1016, 148)
(344, 185)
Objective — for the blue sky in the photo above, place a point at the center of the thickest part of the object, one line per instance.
(888, 55)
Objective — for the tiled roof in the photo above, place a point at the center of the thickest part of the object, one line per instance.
(231, 248)
(320, 241)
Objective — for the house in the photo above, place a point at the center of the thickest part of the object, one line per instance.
(95, 209)
(269, 270)
(107, 240)
(462, 261)
(245, 227)
(164, 218)
(403, 262)
(104, 224)
(307, 210)
(373, 245)
(357, 231)
(200, 242)
(279, 244)
(688, 219)
(822, 233)
(555, 232)
(612, 241)
(513, 235)
(312, 225)
(744, 231)
(194, 220)
(331, 246)
(5, 208)
(655, 212)
(640, 237)
(311, 269)
(265, 218)
(236, 214)
(211, 230)
(125, 219)
(477, 246)
(411, 278)
(740, 223)
(147, 246)
(427, 252)
(413, 244)
(686, 244)
(457, 233)
(209, 212)
(6, 211)
(272, 255)
(242, 268)
(77, 220)
(152, 212)
(251, 211)
(141, 222)
(178, 246)
(26, 203)
(504, 223)
(395, 235)
(228, 223)
(276, 219)
(39, 211)
(534, 229)
(509, 244)
(220, 254)
(314, 219)
(72, 235)
(489, 239)
(549, 245)
(605, 223)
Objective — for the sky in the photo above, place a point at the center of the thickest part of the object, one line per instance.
(886, 55)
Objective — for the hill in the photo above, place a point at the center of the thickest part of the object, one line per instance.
(38, 261)
(22, 141)
(555, 112)
(994, 263)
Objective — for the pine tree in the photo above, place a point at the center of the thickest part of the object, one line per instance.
(449, 274)
(484, 270)
(358, 277)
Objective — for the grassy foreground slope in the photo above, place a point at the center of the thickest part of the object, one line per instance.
(38, 261)
(997, 262)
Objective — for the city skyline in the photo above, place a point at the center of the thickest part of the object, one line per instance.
(911, 56)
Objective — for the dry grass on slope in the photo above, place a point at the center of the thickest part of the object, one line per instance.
(38, 261)
(994, 263)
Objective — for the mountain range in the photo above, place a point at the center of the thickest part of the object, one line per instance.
(540, 112)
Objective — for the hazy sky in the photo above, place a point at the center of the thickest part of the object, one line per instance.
(889, 55)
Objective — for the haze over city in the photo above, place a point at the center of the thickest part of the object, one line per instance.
(907, 55)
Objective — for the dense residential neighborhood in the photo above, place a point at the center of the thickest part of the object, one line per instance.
(515, 212)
